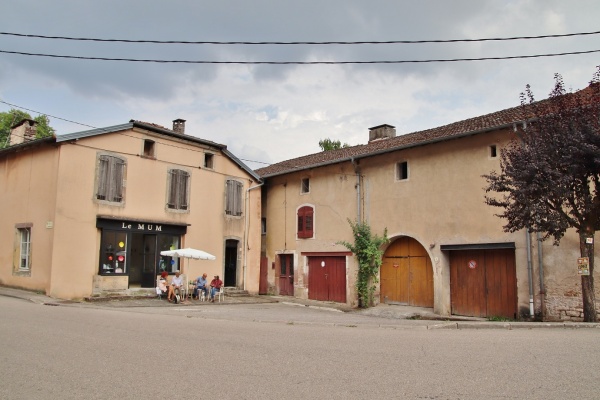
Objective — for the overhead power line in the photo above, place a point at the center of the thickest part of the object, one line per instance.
(93, 127)
(300, 62)
(301, 43)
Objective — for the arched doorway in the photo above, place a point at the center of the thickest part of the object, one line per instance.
(407, 274)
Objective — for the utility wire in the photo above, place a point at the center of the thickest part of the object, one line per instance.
(302, 43)
(102, 129)
(300, 62)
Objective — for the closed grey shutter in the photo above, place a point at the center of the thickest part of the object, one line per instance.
(103, 162)
(183, 190)
(117, 181)
(238, 198)
(172, 200)
(178, 189)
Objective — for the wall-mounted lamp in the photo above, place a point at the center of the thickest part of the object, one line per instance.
(322, 263)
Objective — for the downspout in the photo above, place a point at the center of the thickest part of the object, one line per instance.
(529, 272)
(246, 227)
(528, 244)
(357, 172)
(541, 272)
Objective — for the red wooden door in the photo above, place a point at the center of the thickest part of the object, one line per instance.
(327, 278)
(406, 274)
(263, 284)
(286, 274)
(483, 283)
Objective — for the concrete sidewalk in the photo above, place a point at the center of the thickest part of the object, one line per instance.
(381, 311)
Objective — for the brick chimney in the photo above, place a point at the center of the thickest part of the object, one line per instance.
(380, 132)
(179, 126)
(23, 131)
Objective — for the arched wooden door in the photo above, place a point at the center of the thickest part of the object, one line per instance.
(406, 274)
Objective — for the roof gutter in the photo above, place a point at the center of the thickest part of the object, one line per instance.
(423, 143)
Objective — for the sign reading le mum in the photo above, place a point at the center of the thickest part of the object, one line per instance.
(141, 226)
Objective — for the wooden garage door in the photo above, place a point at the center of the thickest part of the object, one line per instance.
(327, 278)
(483, 283)
(406, 274)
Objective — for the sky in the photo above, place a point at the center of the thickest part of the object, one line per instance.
(271, 113)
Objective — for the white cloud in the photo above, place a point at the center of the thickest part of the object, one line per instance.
(270, 113)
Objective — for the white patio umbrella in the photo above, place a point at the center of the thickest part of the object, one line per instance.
(188, 253)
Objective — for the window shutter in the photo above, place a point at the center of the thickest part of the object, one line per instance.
(117, 183)
(178, 189)
(305, 222)
(233, 201)
(183, 186)
(172, 200)
(111, 172)
(102, 178)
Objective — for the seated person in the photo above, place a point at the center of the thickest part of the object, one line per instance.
(176, 284)
(163, 285)
(215, 286)
(201, 285)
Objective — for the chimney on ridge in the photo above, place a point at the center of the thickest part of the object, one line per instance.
(179, 125)
(379, 132)
(23, 131)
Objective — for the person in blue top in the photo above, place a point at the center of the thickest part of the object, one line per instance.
(201, 285)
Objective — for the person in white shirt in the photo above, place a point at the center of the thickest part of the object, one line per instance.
(176, 284)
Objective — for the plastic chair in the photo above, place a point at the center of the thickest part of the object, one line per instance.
(219, 294)
(159, 292)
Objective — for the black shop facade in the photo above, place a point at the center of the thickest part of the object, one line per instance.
(131, 248)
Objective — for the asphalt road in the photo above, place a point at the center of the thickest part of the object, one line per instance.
(275, 351)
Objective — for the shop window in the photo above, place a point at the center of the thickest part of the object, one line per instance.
(113, 253)
(24, 240)
(305, 222)
(178, 190)
(305, 185)
(209, 160)
(233, 198)
(110, 178)
(169, 264)
(402, 170)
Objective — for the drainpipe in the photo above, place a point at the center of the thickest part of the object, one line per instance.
(529, 272)
(357, 172)
(528, 241)
(541, 272)
(246, 226)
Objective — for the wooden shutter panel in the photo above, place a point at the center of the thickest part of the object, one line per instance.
(102, 178)
(305, 222)
(183, 189)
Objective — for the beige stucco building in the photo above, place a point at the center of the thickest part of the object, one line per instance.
(447, 250)
(89, 212)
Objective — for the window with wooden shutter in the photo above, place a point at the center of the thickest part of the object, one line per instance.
(111, 174)
(233, 201)
(178, 189)
(305, 222)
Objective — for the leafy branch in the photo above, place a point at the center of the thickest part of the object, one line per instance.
(368, 251)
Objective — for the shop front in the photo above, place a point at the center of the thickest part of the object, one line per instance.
(130, 250)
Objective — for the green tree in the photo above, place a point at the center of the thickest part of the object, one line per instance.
(328, 144)
(550, 173)
(367, 250)
(12, 117)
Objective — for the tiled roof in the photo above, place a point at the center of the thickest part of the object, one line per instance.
(471, 126)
